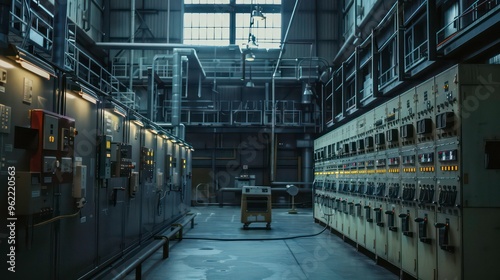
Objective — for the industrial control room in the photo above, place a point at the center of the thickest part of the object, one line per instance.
(249, 139)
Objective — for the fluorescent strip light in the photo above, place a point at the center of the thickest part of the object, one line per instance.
(88, 97)
(34, 69)
(119, 112)
(138, 122)
(30, 62)
(5, 64)
(116, 109)
(152, 130)
(87, 94)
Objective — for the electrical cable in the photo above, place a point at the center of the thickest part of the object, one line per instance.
(57, 218)
(257, 239)
(325, 215)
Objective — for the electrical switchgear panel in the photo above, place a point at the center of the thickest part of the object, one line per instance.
(105, 157)
(168, 166)
(55, 148)
(5, 118)
(147, 163)
(427, 157)
(34, 198)
(184, 167)
(121, 160)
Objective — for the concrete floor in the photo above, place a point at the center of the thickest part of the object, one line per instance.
(324, 256)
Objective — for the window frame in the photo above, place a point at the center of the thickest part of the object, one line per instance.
(233, 8)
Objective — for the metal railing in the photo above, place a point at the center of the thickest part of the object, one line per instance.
(35, 23)
(29, 23)
(257, 112)
(417, 55)
(387, 76)
(474, 12)
(227, 69)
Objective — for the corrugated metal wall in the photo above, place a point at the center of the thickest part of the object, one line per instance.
(316, 22)
(151, 21)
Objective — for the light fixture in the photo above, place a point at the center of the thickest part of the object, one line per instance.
(31, 62)
(86, 93)
(307, 94)
(116, 109)
(152, 128)
(137, 120)
(307, 90)
(257, 14)
(249, 56)
(90, 98)
(163, 134)
(5, 64)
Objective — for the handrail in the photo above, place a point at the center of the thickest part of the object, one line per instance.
(416, 55)
(459, 22)
(161, 241)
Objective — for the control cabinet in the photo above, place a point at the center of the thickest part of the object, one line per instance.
(412, 177)
(53, 156)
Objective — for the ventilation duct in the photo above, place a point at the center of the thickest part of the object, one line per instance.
(177, 86)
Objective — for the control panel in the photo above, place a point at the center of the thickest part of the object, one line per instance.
(405, 166)
(104, 143)
(147, 164)
(121, 160)
(53, 157)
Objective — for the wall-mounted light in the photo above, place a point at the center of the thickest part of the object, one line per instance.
(90, 98)
(116, 109)
(152, 129)
(163, 134)
(137, 120)
(5, 64)
(31, 62)
(87, 94)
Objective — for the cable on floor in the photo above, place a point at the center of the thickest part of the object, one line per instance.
(258, 239)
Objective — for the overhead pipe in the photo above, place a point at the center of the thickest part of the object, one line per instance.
(151, 100)
(176, 81)
(59, 51)
(307, 159)
(132, 40)
(273, 98)
(179, 54)
(176, 90)
(187, 50)
(138, 46)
